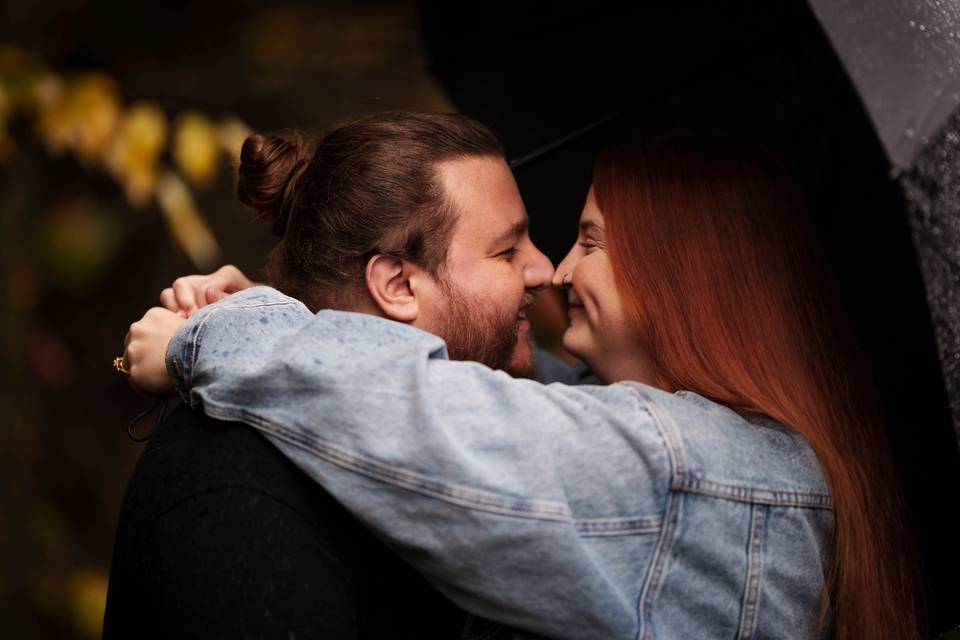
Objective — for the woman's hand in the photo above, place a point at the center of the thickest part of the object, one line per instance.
(145, 350)
(189, 293)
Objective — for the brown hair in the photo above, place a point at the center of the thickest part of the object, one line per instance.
(367, 186)
(730, 293)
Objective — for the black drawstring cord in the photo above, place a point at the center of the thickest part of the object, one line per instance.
(161, 402)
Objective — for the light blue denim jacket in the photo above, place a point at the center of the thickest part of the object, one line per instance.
(579, 512)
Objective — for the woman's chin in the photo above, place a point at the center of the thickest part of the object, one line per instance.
(574, 344)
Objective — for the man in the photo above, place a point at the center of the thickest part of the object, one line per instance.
(221, 536)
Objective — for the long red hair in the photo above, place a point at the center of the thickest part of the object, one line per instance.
(714, 257)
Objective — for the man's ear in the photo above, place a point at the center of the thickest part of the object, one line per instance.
(388, 282)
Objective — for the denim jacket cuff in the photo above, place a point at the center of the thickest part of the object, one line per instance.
(181, 351)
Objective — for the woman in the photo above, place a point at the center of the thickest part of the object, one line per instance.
(732, 480)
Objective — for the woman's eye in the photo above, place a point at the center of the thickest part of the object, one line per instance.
(587, 245)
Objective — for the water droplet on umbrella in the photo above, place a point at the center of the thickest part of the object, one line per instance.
(908, 133)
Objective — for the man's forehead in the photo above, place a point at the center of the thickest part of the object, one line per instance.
(485, 196)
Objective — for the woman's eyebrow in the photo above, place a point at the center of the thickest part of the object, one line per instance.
(589, 225)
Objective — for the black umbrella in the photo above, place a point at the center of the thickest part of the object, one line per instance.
(855, 95)
(904, 59)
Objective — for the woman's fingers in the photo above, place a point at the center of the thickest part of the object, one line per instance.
(186, 291)
(189, 293)
(168, 300)
(146, 348)
(213, 294)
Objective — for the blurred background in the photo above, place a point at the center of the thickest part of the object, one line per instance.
(120, 124)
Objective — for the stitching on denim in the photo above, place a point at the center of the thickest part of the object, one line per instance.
(661, 553)
(176, 365)
(672, 508)
(667, 430)
(195, 338)
(751, 595)
(180, 384)
(751, 495)
(458, 495)
(466, 496)
(256, 305)
(600, 527)
(196, 334)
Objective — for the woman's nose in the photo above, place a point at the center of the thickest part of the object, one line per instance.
(564, 272)
(539, 271)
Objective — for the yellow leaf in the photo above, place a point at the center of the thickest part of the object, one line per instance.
(80, 116)
(195, 149)
(140, 139)
(187, 226)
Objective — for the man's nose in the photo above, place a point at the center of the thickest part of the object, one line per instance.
(538, 272)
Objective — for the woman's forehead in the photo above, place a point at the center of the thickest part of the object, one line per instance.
(591, 215)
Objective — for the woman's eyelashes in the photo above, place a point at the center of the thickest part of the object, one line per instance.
(588, 245)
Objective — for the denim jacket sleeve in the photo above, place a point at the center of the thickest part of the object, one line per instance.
(533, 505)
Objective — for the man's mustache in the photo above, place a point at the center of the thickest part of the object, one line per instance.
(528, 299)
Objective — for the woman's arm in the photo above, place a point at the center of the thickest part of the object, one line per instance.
(533, 505)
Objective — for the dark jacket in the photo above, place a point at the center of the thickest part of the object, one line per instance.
(220, 536)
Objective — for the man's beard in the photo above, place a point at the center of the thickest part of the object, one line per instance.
(482, 333)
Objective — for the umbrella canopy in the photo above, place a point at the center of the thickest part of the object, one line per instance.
(771, 72)
(904, 59)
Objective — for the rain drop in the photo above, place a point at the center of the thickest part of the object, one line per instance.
(908, 133)
(912, 24)
(922, 28)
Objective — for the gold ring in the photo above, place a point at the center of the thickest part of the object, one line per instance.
(120, 365)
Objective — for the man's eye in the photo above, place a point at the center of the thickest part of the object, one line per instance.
(508, 253)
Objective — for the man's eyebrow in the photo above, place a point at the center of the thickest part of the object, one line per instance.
(516, 230)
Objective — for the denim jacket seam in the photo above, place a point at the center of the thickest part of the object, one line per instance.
(752, 495)
(184, 359)
(605, 527)
(253, 304)
(193, 345)
(179, 380)
(672, 508)
(466, 497)
(196, 333)
(751, 592)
